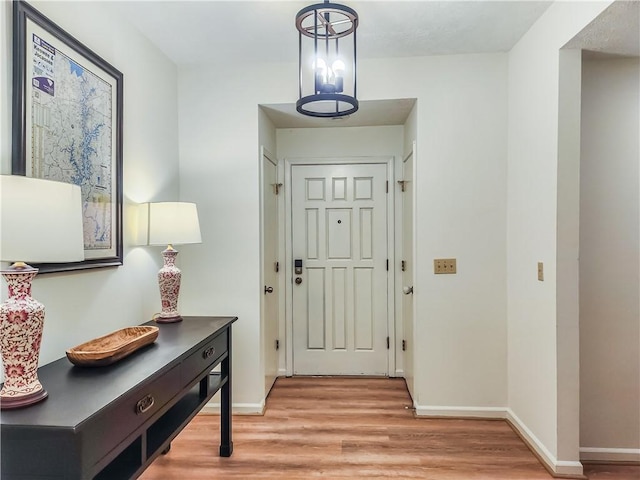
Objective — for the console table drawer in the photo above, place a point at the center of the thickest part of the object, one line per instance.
(134, 410)
(204, 357)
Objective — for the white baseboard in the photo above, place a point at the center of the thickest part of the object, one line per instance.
(212, 408)
(469, 412)
(595, 454)
(553, 464)
(568, 468)
(556, 466)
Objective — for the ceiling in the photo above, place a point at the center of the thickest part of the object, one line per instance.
(197, 32)
(616, 31)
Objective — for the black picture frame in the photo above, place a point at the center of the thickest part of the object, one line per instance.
(48, 61)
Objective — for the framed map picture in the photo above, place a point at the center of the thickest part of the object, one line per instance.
(67, 126)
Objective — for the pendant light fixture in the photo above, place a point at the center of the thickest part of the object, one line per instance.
(327, 60)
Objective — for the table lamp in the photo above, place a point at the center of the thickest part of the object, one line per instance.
(40, 221)
(171, 223)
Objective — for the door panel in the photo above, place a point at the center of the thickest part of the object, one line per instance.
(363, 308)
(270, 257)
(339, 222)
(315, 309)
(407, 275)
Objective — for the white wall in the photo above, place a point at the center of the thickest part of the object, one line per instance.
(410, 131)
(267, 133)
(83, 305)
(609, 243)
(461, 326)
(219, 166)
(460, 320)
(460, 336)
(567, 243)
(340, 142)
(532, 217)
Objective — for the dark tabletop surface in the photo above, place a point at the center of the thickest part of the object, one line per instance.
(97, 387)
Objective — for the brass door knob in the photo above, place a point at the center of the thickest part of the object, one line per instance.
(298, 280)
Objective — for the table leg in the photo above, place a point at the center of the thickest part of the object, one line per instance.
(226, 444)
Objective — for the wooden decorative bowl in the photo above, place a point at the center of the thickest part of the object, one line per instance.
(112, 347)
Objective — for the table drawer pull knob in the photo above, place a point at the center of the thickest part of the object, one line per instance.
(208, 352)
(145, 404)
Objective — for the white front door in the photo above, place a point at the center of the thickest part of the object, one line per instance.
(339, 230)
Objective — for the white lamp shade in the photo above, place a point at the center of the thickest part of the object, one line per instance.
(173, 223)
(40, 220)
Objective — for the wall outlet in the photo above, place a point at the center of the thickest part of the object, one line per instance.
(540, 271)
(444, 265)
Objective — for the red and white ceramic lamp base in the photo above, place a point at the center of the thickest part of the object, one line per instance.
(21, 324)
(169, 278)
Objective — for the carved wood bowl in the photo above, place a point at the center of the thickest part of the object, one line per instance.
(110, 348)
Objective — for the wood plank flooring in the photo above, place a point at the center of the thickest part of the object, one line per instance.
(356, 428)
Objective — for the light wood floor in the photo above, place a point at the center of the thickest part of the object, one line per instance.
(353, 428)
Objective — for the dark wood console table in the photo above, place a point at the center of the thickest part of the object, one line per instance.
(112, 422)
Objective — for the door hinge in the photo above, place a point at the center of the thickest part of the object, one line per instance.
(387, 186)
(277, 267)
(277, 344)
(404, 345)
(388, 344)
(276, 188)
(403, 266)
(387, 264)
(403, 184)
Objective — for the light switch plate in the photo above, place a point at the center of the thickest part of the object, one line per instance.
(541, 271)
(444, 266)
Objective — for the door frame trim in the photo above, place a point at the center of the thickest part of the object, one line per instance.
(289, 163)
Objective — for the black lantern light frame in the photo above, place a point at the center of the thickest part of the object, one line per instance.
(321, 27)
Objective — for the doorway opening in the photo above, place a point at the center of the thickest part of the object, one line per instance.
(340, 215)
